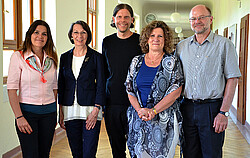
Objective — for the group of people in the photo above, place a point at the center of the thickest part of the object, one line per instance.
(153, 97)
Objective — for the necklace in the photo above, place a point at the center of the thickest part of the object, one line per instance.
(154, 61)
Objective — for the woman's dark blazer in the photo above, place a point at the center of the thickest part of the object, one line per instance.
(90, 84)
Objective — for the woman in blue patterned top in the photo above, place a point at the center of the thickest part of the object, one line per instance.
(154, 82)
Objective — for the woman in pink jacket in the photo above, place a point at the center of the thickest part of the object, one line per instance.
(32, 72)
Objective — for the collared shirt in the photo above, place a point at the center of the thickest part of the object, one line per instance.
(28, 81)
(207, 66)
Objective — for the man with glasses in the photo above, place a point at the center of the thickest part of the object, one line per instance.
(210, 71)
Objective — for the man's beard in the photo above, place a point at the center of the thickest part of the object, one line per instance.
(204, 29)
(123, 31)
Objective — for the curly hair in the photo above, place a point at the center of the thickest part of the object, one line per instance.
(168, 36)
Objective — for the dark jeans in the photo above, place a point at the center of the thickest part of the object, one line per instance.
(83, 143)
(201, 141)
(117, 128)
(38, 143)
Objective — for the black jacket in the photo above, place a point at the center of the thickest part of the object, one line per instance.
(90, 84)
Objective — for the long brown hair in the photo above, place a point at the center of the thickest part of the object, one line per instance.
(49, 47)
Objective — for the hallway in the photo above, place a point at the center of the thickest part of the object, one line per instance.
(235, 145)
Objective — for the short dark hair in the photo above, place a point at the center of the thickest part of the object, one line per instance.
(168, 36)
(119, 7)
(49, 47)
(85, 26)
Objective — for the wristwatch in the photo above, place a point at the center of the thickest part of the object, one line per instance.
(99, 107)
(224, 113)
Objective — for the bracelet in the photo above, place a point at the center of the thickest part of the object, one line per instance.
(154, 111)
(98, 107)
(19, 117)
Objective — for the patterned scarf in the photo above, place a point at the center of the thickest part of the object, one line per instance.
(31, 61)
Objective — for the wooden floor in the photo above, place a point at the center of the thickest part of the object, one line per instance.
(235, 145)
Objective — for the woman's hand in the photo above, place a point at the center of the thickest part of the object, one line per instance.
(151, 114)
(23, 125)
(146, 114)
(92, 118)
(21, 122)
(61, 118)
(142, 113)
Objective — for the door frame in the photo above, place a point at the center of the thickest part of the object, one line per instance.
(243, 56)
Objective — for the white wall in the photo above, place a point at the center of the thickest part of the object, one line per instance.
(67, 12)
(104, 14)
(109, 7)
(100, 23)
(8, 137)
(226, 14)
(50, 16)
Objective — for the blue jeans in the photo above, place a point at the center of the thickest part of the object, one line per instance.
(83, 142)
(201, 141)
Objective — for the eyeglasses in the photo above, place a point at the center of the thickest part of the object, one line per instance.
(79, 33)
(199, 18)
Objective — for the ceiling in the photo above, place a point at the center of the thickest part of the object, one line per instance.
(164, 8)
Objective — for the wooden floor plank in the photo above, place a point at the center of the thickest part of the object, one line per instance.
(235, 146)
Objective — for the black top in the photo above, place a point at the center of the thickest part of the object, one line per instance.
(118, 54)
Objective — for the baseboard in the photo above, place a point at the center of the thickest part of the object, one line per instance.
(247, 126)
(244, 129)
(59, 134)
(13, 153)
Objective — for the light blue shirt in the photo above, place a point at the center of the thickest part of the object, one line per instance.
(207, 66)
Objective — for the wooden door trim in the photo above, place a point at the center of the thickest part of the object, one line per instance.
(243, 56)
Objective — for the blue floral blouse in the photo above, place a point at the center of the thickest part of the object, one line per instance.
(157, 137)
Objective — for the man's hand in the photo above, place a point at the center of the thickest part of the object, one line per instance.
(220, 123)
